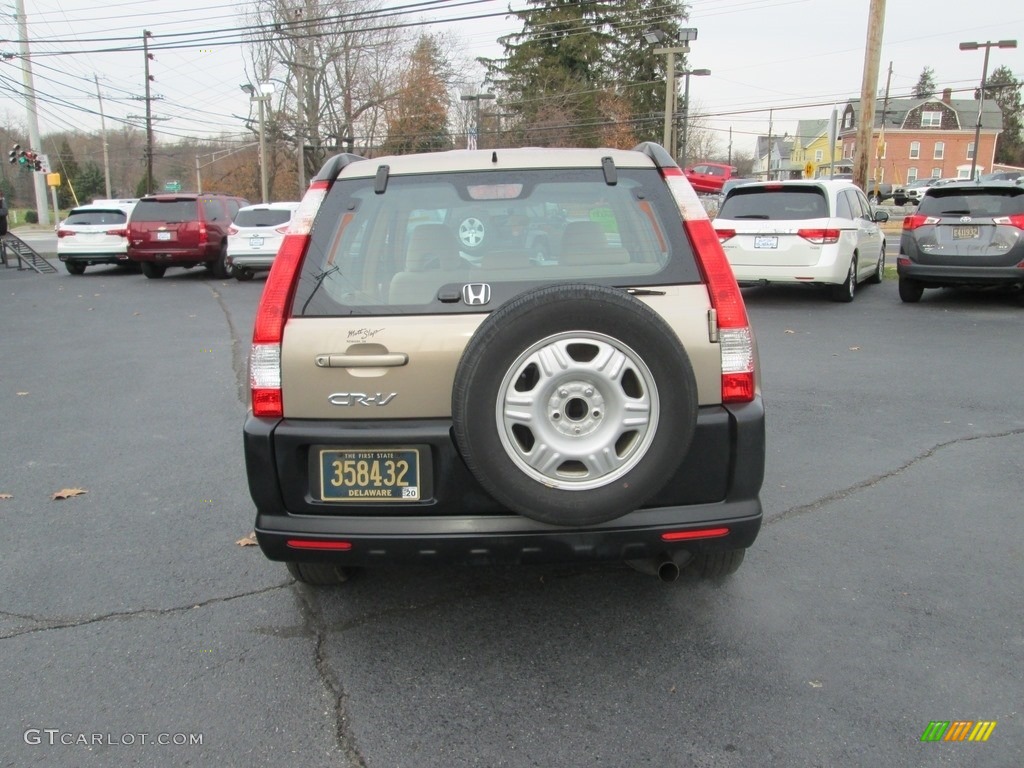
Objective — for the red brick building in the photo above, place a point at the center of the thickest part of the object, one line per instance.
(922, 138)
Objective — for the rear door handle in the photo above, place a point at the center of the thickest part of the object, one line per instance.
(361, 361)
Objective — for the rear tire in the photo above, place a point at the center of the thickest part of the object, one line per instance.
(713, 565)
(243, 273)
(845, 291)
(153, 271)
(218, 267)
(320, 574)
(74, 268)
(910, 290)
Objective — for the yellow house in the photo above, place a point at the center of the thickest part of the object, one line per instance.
(811, 147)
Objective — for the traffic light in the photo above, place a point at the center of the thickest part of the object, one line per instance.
(13, 154)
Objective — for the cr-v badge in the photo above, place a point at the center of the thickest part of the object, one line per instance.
(361, 398)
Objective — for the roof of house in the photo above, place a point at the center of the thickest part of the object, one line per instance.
(809, 130)
(897, 111)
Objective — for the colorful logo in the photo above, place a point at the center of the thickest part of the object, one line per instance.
(958, 730)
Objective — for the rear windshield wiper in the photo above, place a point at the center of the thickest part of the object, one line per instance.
(319, 281)
(750, 216)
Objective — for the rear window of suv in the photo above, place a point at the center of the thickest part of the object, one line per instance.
(783, 203)
(265, 217)
(979, 202)
(81, 218)
(169, 210)
(426, 236)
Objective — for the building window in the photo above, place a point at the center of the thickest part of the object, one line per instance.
(848, 120)
(940, 150)
(936, 173)
(931, 119)
(881, 149)
(819, 155)
(911, 174)
(970, 151)
(915, 150)
(963, 173)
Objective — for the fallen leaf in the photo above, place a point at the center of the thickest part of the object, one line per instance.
(136, 314)
(854, 349)
(248, 541)
(815, 683)
(67, 493)
(6, 496)
(790, 331)
(22, 394)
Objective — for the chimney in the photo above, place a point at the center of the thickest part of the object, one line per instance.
(947, 94)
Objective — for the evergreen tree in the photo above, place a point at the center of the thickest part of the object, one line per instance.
(69, 170)
(419, 122)
(1003, 88)
(89, 183)
(925, 87)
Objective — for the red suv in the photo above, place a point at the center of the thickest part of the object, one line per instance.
(708, 178)
(181, 230)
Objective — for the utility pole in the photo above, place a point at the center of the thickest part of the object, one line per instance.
(42, 208)
(730, 145)
(868, 88)
(146, 34)
(880, 147)
(103, 130)
(768, 175)
(300, 106)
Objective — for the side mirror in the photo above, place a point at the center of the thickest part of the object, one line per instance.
(881, 217)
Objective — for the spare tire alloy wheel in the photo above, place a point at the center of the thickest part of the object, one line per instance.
(574, 404)
(471, 232)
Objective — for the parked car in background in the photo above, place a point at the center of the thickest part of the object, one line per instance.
(181, 230)
(708, 178)
(426, 389)
(728, 185)
(963, 234)
(1002, 176)
(879, 192)
(255, 235)
(96, 233)
(916, 190)
(813, 232)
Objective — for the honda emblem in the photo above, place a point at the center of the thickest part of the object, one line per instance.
(476, 294)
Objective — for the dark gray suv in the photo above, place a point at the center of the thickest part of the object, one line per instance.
(428, 385)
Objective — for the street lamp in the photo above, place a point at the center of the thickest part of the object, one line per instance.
(655, 36)
(267, 90)
(471, 142)
(988, 46)
(686, 106)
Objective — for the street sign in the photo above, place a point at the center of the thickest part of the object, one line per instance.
(809, 170)
(172, 186)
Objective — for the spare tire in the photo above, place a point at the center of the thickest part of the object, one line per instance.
(573, 404)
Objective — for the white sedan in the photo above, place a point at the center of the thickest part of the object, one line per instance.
(812, 231)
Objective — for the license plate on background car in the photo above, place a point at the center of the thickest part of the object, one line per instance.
(765, 241)
(255, 242)
(377, 474)
(965, 233)
(163, 235)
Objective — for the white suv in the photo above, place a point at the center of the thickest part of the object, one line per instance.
(95, 234)
(254, 236)
(815, 232)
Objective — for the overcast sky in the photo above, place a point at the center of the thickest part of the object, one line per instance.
(795, 56)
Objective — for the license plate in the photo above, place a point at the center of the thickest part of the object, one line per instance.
(377, 474)
(163, 235)
(965, 233)
(764, 241)
(255, 242)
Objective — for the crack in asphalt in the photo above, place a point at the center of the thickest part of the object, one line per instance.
(51, 623)
(843, 493)
(312, 617)
(239, 355)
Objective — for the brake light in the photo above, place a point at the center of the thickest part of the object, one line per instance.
(735, 339)
(204, 236)
(696, 533)
(321, 544)
(1013, 220)
(725, 234)
(820, 236)
(122, 232)
(65, 233)
(916, 220)
(233, 230)
(275, 304)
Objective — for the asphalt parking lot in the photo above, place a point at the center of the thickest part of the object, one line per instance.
(883, 594)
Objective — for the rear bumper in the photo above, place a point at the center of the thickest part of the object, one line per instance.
(181, 256)
(94, 258)
(717, 486)
(952, 276)
(251, 261)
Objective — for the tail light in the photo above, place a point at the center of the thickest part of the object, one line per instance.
(820, 236)
(233, 230)
(122, 232)
(204, 236)
(1013, 220)
(275, 304)
(725, 234)
(283, 229)
(911, 223)
(65, 232)
(735, 339)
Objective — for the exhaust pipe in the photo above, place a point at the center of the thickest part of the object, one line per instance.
(665, 568)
